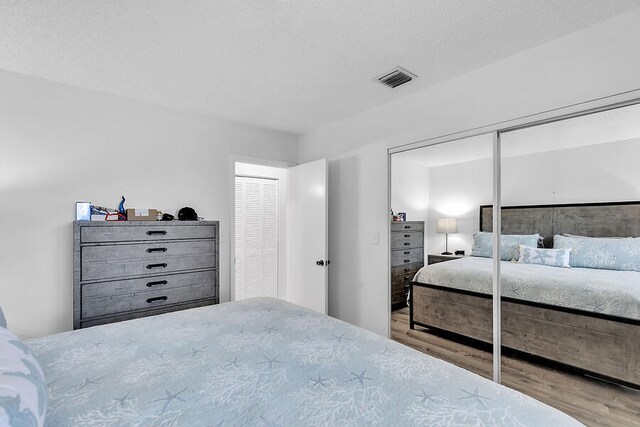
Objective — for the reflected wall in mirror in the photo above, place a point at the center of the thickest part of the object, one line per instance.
(440, 188)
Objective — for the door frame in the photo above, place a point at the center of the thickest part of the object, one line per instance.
(233, 159)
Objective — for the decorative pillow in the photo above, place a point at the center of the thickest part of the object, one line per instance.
(23, 390)
(552, 257)
(609, 253)
(509, 244)
(3, 320)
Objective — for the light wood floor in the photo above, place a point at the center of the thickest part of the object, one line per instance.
(591, 401)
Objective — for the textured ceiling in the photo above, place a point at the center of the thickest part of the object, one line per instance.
(288, 65)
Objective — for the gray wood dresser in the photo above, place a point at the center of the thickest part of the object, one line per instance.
(407, 257)
(128, 269)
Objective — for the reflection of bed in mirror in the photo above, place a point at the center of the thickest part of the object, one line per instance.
(584, 318)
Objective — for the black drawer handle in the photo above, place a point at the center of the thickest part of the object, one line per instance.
(407, 285)
(156, 232)
(154, 250)
(407, 243)
(152, 266)
(407, 235)
(156, 299)
(407, 227)
(407, 252)
(407, 269)
(407, 277)
(157, 283)
(407, 260)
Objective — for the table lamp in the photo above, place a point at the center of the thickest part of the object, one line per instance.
(447, 226)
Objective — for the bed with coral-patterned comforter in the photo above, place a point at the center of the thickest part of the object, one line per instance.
(263, 362)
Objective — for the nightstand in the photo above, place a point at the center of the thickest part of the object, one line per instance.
(436, 258)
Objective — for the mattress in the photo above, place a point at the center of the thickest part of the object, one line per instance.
(614, 293)
(263, 362)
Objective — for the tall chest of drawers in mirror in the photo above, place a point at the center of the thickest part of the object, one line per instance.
(407, 257)
(129, 269)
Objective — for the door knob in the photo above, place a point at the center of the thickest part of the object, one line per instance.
(320, 263)
(327, 262)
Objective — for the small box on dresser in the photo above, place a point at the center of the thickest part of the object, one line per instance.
(125, 270)
(407, 257)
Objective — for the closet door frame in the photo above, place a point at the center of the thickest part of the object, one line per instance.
(228, 226)
(612, 102)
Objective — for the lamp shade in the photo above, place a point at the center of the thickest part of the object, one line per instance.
(447, 225)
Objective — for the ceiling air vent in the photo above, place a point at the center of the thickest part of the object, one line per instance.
(396, 77)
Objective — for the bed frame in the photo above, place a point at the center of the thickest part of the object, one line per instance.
(601, 345)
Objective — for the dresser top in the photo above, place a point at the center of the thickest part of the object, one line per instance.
(130, 223)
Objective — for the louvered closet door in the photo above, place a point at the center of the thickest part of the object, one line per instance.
(256, 237)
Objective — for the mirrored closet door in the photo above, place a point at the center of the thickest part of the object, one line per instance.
(562, 198)
(441, 296)
(571, 297)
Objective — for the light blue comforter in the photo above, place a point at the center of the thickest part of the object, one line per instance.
(263, 362)
(616, 293)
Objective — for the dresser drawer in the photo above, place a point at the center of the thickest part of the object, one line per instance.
(105, 270)
(94, 307)
(405, 272)
(401, 277)
(398, 295)
(146, 251)
(398, 257)
(130, 286)
(403, 280)
(407, 226)
(404, 256)
(119, 317)
(129, 233)
(407, 239)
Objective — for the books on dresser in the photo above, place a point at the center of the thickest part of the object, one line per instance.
(124, 270)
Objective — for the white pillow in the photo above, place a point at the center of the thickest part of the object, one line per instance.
(551, 257)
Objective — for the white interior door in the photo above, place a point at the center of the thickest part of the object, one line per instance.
(256, 239)
(307, 246)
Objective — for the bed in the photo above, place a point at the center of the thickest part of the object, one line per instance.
(263, 361)
(604, 292)
(582, 318)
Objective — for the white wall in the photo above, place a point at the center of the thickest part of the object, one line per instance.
(456, 192)
(598, 61)
(597, 173)
(282, 175)
(410, 190)
(59, 144)
(606, 172)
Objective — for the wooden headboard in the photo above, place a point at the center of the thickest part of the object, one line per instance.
(614, 219)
